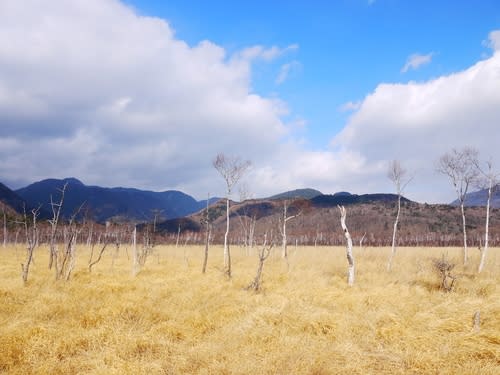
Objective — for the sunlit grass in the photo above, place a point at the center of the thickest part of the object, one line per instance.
(171, 319)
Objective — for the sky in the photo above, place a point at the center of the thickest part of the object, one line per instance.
(145, 94)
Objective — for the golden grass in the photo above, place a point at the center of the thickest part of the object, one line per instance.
(171, 319)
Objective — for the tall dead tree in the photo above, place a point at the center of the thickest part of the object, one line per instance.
(231, 169)
(31, 231)
(285, 219)
(66, 258)
(350, 257)
(56, 213)
(488, 180)
(396, 173)
(460, 167)
(208, 230)
(4, 214)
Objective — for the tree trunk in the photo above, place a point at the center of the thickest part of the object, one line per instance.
(4, 228)
(227, 254)
(393, 249)
(465, 232)
(350, 257)
(486, 230)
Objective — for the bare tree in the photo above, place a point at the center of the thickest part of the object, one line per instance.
(350, 257)
(208, 230)
(396, 173)
(31, 231)
(283, 221)
(4, 214)
(489, 181)
(56, 213)
(67, 257)
(460, 167)
(231, 169)
(264, 253)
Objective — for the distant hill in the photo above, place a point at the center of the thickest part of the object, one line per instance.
(11, 199)
(345, 198)
(298, 193)
(480, 197)
(116, 204)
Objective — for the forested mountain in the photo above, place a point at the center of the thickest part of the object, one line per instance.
(117, 204)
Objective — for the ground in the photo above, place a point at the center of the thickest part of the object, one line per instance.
(171, 319)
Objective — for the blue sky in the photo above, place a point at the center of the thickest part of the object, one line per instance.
(345, 48)
(143, 93)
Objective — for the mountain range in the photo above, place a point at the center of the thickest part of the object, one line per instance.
(116, 204)
(129, 204)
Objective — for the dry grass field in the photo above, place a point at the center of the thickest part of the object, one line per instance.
(171, 319)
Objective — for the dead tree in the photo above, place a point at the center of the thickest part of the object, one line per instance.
(4, 213)
(264, 253)
(231, 169)
(92, 262)
(489, 181)
(396, 174)
(56, 213)
(208, 230)
(67, 257)
(283, 221)
(31, 231)
(350, 257)
(460, 167)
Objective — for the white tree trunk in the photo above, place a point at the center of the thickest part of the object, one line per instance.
(135, 264)
(350, 257)
(466, 255)
(486, 231)
(226, 247)
(393, 249)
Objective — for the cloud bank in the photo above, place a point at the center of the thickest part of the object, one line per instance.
(94, 90)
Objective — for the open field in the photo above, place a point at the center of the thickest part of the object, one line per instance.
(171, 319)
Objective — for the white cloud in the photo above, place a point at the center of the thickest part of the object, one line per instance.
(415, 61)
(286, 70)
(350, 106)
(416, 123)
(493, 41)
(93, 90)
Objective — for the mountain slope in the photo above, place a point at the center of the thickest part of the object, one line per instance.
(111, 203)
(480, 197)
(297, 193)
(11, 199)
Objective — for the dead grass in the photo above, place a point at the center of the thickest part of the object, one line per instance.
(171, 319)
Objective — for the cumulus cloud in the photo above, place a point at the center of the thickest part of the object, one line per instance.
(93, 90)
(493, 41)
(415, 61)
(417, 122)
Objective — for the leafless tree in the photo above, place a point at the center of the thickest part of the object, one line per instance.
(460, 167)
(488, 180)
(396, 173)
(264, 253)
(101, 252)
(4, 214)
(231, 169)
(56, 213)
(67, 257)
(283, 221)
(350, 257)
(31, 231)
(208, 230)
